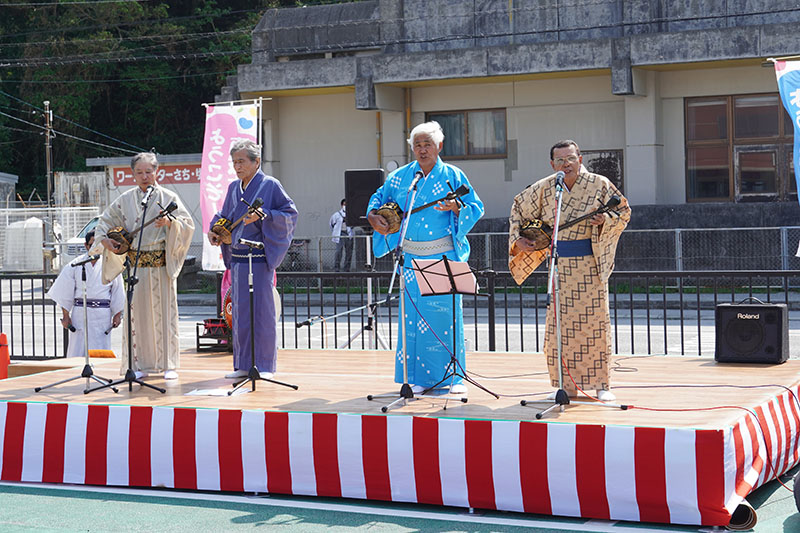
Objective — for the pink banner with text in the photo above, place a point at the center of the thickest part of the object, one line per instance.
(224, 124)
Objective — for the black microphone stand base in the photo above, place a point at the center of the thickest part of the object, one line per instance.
(130, 378)
(402, 398)
(254, 375)
(88, 373)
(562, 400)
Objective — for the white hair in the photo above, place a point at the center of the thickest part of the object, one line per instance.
(147, 157)
(252, 149)
(432, 129)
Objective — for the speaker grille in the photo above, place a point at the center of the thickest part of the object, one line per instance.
(751, 333)
(744, 336)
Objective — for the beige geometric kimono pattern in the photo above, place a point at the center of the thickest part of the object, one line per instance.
(583, 281)
(154, 311)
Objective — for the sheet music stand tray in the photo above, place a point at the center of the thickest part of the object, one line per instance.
(437, 277)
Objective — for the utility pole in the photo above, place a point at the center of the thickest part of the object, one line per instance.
(48, 132)
(48, 235)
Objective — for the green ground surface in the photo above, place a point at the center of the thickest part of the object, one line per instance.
(34, 507)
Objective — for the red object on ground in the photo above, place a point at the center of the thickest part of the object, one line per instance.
(4, 357)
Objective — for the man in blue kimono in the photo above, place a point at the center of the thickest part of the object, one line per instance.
(273, 226)
(440, 230)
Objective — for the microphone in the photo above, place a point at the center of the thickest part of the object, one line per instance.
(560, 178)
(147, 195)
(72, 328)
(252, 244)
(418, 176)
(89, 259)
(303, 323)
(613, 202)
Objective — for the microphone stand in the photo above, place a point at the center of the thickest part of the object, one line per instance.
(253, 374)
(371, 307)
(562, 398)
(405, 395)
(87, 371)
(131, 281)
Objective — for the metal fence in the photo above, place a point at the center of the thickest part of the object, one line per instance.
(657, 312)
(31, 321)
(23, 233)
(638, 250)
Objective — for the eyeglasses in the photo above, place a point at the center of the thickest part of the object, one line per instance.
(559, 161)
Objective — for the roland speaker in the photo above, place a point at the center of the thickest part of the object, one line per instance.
(359, 186)
(752, 333)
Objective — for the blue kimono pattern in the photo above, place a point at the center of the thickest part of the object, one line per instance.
(428, 317)
(275, 231)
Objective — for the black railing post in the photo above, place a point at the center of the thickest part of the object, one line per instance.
(490, 288)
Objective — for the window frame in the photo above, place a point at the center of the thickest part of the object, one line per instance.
(465, 114)
(734, 145)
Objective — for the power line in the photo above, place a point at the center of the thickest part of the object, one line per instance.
(21, 120)
(228, 72)
(117, 25)
(132, 39)
(175, 56)
(98, 144)
(119, 51)
(68, 121)
(75, 2)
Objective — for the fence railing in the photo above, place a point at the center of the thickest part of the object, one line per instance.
(658, 312)
(30, 320)
(770, 248)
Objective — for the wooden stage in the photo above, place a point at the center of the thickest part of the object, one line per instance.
(696, 438)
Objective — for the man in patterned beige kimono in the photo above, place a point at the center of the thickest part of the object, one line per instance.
(164, 244)
(586, 253)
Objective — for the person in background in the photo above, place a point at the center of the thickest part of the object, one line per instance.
(104, 303)
(342, 235)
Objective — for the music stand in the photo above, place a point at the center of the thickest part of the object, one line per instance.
(438, 277)
(87, 371)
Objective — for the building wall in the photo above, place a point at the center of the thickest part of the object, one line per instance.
(320, 137)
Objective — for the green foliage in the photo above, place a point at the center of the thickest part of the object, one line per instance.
(135, 71)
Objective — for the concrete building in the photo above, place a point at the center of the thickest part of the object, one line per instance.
(667, 97)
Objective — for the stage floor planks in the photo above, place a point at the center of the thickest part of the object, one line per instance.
(679, 389)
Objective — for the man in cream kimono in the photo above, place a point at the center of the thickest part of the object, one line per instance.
(586, 253)
(164, 244)
(104, 303)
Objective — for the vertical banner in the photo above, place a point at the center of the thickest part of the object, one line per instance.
(225, 123)
(788, 74)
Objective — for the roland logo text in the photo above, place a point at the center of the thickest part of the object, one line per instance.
(747, 316)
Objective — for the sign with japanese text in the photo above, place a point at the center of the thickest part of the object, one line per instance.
(166, 174)
(224, 124)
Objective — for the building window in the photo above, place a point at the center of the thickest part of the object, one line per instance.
(739, 148)
(478, 134)
(607, 163)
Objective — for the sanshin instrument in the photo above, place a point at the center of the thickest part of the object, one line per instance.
(224, 227)
(125, 238)
(394, 215)
(541, 233)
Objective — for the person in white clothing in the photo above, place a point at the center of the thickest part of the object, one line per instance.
(104, 303)
(342, 235)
